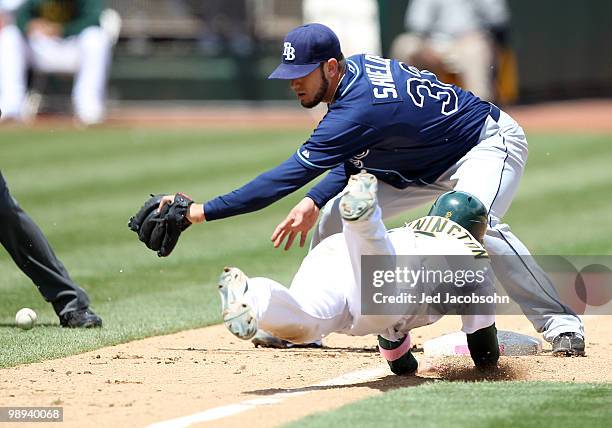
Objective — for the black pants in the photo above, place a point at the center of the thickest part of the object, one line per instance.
(31, 251)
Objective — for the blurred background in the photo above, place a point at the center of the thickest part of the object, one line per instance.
(202, 50)
(225, 49)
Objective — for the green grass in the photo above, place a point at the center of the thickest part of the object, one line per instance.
(476, 405)
(82, 186)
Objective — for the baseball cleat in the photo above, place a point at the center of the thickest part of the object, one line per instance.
(568, 345)
(359, 197)
(238, 316)
(398, 355)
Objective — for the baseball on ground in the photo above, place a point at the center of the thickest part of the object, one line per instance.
(25, 318)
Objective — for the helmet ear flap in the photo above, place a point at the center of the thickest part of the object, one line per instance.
(464, 209)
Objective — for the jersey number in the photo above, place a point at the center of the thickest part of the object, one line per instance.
(420, 88)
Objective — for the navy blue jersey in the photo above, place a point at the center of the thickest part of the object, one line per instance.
(399, 123)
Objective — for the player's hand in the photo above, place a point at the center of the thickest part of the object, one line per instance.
(195, 213)
(299, 221)
(161, 230)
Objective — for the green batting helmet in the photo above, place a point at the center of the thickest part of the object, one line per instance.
(464, 209)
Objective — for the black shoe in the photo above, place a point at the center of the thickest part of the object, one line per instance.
(568, 345)
(82, 318)
(405, 364)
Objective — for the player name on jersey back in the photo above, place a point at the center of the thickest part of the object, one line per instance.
(435, 226)
(380, 77)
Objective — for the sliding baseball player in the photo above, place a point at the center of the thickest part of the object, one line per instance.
(325, 295)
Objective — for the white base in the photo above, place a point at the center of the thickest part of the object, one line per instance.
(510, 344)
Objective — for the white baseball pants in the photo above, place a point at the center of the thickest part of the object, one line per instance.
(87, 55)
(324, 296)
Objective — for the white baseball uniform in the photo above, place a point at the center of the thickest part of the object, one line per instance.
(325, 294)
(87, 55)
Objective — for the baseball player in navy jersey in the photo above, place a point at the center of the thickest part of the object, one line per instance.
(420, 137)
(326, 294)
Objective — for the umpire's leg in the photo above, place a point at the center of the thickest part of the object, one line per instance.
(31, 251)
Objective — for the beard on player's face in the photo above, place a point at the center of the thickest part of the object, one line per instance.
(319, 94)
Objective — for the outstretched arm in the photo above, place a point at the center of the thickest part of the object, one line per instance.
(330, 146)
(262, 191)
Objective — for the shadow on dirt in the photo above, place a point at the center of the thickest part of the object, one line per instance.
(458, 370)
(385, 383)
(320, 351)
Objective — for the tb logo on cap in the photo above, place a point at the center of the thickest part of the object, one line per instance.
(289, 51)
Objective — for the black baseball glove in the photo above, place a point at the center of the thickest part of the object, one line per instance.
(160, 231)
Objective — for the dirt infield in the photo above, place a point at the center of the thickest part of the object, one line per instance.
(581, 115)
(161, 378)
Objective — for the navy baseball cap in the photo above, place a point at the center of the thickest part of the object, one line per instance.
(304, 49)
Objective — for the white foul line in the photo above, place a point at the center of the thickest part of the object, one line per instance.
(233, 409)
